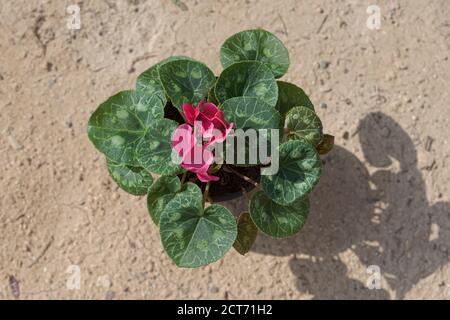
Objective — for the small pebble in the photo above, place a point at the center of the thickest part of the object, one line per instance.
(428, 143)
(345, 135)
(214, 289)
(326, 89)
(323, 64)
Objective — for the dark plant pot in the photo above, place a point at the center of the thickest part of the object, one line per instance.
(230, 184)
(227, 196)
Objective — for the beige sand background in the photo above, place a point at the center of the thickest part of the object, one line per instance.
(383, 198)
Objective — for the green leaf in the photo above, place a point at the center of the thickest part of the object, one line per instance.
(277, 220)
(160, 194)
(134, 180)
(193, 236)
(247, 79)
(154, 152)
(289, 95)
(246, 235)
(304, 125)
(249, 112)
(299, 171)
(186, 81)
(119, 123)
(326, 144)
(212, 96)
(149, 83)
(256, 45)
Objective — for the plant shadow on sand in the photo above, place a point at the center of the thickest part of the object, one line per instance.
(384, 218)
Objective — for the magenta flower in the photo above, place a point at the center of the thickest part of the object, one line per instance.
(213, 123)
(209, 126)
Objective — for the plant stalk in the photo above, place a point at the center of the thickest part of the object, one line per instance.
(244, 177)
(205, 194)
(183, 178)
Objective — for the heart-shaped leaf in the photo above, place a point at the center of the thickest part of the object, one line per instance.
(289, 95)
(149, 83)
(247, 79)
(154, 152)
(134, 180)
(186, 81)
(160, 194)
(119, 123)
(250, 112)
(299, 171)
(277, 220)
(259, 45)
(247, 233)
(326, 144)
(193, 236)
(304, 125)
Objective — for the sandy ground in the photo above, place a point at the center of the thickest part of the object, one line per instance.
(383, 198)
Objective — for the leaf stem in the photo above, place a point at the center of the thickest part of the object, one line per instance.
(205, 194)
(287, 133)
(244, 177)
(183, 178)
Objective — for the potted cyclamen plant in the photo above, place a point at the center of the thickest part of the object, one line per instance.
(180, 109)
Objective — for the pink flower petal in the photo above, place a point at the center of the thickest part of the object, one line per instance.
(190, 112)
(209, 110)
(198, 158)
(183, 139)
(209, 123)
(205, 177)
(221, 134)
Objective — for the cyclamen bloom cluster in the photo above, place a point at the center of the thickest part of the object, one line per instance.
(193, 141)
